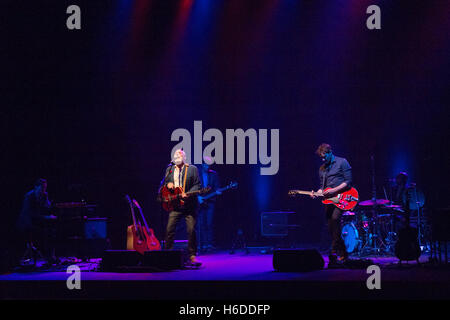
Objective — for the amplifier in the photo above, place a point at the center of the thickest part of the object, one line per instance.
(95, 228)
(275, 223)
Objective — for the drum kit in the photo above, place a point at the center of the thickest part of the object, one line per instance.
(372, 228)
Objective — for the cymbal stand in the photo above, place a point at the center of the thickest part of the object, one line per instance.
(374, 229)
(419, 207)
(377, 244)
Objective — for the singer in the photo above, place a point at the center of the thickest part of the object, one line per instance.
(181, 174)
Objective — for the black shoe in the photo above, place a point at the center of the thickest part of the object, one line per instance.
(194, 262)
(335, 264)
(332, 257)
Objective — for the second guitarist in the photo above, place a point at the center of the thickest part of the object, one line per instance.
(185, 176)
(209, 178)
(335, 173)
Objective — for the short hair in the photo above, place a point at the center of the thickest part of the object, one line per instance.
(323, 148)
(40, 182)
(183, 154)
(403, 176)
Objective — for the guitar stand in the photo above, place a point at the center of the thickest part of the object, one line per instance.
(239, 242)
(31, 253)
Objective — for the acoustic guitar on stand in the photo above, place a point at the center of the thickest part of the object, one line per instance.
(346, 200)
(152, 241)
(139, 236)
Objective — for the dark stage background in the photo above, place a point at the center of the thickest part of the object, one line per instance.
(93, 110)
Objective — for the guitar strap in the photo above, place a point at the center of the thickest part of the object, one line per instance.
(185, 175)
(324, 177)
(323, 180)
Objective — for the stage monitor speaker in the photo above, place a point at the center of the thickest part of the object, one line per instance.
(297, 260)
(132, 261)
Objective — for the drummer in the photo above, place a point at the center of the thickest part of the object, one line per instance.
(399, 190)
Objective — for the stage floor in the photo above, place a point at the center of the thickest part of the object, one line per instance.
(235, 276)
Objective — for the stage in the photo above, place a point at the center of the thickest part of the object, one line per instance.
(225, 276)
(135, 125)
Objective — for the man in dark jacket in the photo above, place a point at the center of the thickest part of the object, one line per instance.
(185, 176)
(33, 221)
(335, 174)
(208, 178)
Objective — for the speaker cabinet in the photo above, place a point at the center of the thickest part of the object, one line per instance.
(297, 260)
(275, 223)
(95, 228)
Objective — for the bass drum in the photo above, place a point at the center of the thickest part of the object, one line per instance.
(350, 236)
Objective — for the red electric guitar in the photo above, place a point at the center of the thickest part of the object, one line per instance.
(346, 200)
(171, 198)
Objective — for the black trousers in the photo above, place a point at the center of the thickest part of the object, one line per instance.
(205, 224)
(42, 236)
(333, 215)
(189, 217)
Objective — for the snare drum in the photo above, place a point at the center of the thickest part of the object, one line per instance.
(350, 236)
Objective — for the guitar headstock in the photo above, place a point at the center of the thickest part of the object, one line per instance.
(205, 190)
(136, 204)
(292, 192)
(127, 197)
(233, 185)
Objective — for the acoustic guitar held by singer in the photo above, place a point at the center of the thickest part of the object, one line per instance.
(173, 198)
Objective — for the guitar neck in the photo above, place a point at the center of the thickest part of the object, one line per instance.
(306, 193)
(191, 193)
(132, 210)
(140, 211)
(212, 194)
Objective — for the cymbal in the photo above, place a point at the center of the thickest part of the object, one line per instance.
(376, 202)
(393, 206)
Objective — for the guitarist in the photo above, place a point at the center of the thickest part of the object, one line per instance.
(335, 173)
(209, 178)
(181, 174)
